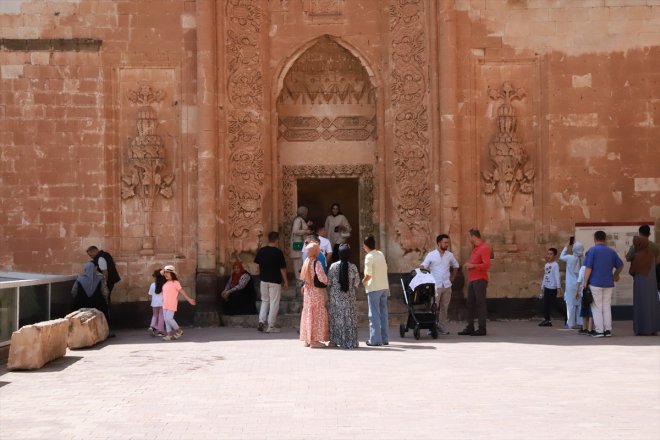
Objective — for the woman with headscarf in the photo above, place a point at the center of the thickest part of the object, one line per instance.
(572, 255)
(646, 304)
(299, 230)
(343, 280)
(337, 228)
(239, 295)
(314, 318)
(90, 291)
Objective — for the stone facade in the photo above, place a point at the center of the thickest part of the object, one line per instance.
(176, 131)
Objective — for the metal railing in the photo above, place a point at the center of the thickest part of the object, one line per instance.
(26, 298)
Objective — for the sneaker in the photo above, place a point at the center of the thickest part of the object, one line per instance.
(583, 332)
(167, 338)
(607, 334)
(372, 345)
(545, 323)
(178, 334)
(597, 335)
(260, 327)
(442, 331)
(467, 331)
(272, 330)
(591, 332)
(479, 332)
(160, 334)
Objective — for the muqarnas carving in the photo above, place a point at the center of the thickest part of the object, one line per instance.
(510, 172)
(146, 153)
(327, 73)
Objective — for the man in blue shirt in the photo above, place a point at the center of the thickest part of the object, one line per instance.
(600, 262)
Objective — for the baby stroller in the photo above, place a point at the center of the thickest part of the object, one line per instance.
(422, 310)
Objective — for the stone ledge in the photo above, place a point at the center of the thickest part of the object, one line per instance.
(50, 44)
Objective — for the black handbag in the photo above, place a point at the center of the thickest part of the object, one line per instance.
(317, 282)
(587, 297)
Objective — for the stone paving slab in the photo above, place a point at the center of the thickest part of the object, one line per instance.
(520, 382)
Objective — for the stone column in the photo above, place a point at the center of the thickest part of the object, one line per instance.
(207, 126)
(448, 87)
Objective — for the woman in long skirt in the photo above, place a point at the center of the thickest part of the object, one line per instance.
(343, 280)
(646, 305)
(314, 319)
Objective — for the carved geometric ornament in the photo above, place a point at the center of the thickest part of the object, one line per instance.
(341, 128)
(510, 171)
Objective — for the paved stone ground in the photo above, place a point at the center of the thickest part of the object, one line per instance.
(520, 382)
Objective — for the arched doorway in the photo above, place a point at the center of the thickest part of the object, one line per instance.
(327, 139)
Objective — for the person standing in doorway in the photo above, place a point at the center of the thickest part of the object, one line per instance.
(477, 267)
(600, 261)
(106, 265)
(299, 230)
(440, 263)
(377, 286)
(272, 270)
(338, 229)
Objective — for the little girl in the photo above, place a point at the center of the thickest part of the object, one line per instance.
(157, 326)
(171, 291)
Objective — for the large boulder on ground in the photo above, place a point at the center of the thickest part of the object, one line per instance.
(87, 327)
(33, 346)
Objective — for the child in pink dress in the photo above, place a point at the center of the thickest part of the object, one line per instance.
(171, 290)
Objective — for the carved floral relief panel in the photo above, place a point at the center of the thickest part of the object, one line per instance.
(409, 100)
(508, 99)
(149, 138)
(245, 92)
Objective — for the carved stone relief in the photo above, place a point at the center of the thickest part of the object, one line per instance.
(145, 179)
(510, 171)
(245, 126)
(327, 73)
(409, 90)
(342, 128)
(326, 7)
(364, 174)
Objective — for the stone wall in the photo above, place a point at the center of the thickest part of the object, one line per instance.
(104, 143)
(67, 129)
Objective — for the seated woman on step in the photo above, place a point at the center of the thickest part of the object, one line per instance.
(239, 297)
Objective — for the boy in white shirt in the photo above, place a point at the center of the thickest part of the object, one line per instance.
(550, 286)
(440, 263)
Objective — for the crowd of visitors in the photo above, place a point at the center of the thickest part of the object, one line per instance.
(329, 282)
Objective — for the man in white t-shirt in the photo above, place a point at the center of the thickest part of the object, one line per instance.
(326, 246)
(439, 262)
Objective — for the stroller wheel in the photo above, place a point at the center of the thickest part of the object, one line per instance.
(416, 332)
(402, 330)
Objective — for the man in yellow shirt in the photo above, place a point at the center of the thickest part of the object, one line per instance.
(377, 287)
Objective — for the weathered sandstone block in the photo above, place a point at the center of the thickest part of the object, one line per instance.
(87, 327)
(33, 346)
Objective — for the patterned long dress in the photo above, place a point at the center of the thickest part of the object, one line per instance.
(314, 319)
(343, 310)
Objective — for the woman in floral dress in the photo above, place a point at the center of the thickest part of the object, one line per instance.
(344, 280)
(314, 319)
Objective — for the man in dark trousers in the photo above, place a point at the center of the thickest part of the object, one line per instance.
(106, 265)
(272, 270)
(477, 267)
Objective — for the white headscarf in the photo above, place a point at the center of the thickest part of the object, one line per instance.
(578, 252)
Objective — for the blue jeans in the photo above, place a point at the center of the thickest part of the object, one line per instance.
(378, 317)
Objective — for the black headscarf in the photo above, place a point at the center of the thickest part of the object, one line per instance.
(344, 255)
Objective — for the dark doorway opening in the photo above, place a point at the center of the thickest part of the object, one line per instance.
(318, 195)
